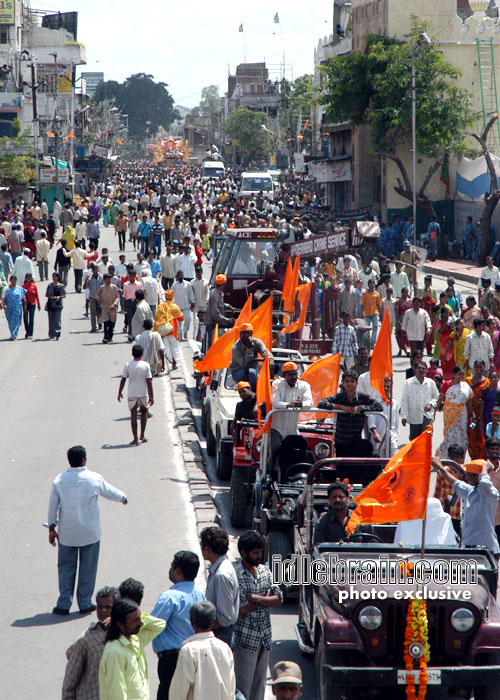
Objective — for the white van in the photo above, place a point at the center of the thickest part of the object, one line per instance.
(253, 183)
(212, 169)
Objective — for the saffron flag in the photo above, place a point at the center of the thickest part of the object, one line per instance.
(381, 364)
(219, 353)
(264, 394)
(276, 18)
(288, 279)
(303, 294)
(288, 294)
(323, 378)
(401, 491)
(240, 29)
(262, 322)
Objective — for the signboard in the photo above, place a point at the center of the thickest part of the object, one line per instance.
(7, 12)
(326, 244)
(47, 176)
(336, 171)
(11, 101)
(64, 82)
(92, 80)
(299, 163)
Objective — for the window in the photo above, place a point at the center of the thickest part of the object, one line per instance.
(4, 36)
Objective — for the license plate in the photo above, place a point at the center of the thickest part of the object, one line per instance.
(433, 676)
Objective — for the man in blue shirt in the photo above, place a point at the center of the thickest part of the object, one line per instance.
(145, 235)
(154, 265)
(469, 238)
(173, 606)
(157, 230)
(433, 232)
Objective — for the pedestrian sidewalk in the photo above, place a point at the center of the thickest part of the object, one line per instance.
(459, 269)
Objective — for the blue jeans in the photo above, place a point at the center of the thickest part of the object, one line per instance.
(157, 244)
(145, 245)
(248, 374)
(67, 562)
(373, 321)
(55, 323)
(432, 249)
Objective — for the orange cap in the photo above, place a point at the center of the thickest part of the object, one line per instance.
(169, 294)
(289, 367)
(220, 279)
(475, 467)
(246, 327)
(242, 385)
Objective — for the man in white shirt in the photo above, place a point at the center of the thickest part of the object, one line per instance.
(478, 346)
(42, 256)
(184, 298)
(23, 266)
(418, 401)
(205, 663)
(78, 255)
(399, 280)
(73, 503)
(141, 265)
(290, 393)
(201, 291)
(168, 264)
(416, 324)
(140, 391)
(489, 272)
(151, 292)
(185, 262)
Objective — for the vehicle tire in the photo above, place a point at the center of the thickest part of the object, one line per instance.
(223, 461)
(211, 445)
(203, 416)
(487, 692)
(238, 496)
(325, 689)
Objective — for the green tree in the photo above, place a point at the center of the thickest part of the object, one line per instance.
(149, 105)
(17, 160)
(299, 97)
(245, 128)
(374, 88)
(210, 100)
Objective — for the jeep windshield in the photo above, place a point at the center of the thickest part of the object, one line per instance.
(257, 184)
(246, 259)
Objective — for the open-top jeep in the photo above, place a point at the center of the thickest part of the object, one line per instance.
(353, 618)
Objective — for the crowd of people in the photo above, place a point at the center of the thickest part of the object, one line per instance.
(165, 224)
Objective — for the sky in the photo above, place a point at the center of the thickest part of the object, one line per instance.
(195, 43)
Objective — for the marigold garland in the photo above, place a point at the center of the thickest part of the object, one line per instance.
(416, 631)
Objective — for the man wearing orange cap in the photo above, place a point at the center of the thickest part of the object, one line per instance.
(480, 499)
(290, 393)
(246, 408)
(215, 311)
(244, 356)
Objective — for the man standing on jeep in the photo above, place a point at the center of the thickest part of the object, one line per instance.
(244, 356)
(331, 527)
(350, 423)
(291, 393)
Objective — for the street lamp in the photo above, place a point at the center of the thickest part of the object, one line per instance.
(423, 40)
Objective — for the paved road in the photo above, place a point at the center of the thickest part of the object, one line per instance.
(54, 395)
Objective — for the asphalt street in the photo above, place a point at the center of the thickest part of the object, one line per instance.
(57, 394)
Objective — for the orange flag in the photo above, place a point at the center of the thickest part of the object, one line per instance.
(262, 322)
(381, 364)
(264, 394)
(288, 278)
(218, 354)
(303, 294)
(288, 295)
(323, 378)
(401, 491)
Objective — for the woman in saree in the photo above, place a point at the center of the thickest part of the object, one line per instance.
(456, 401)
(471, 312)
(442, 348)
(167, 317)
(492, 326)
(69, 237)
(475, 435)
(14, 303)
(428, 302)
(457, 342)
(402, 305)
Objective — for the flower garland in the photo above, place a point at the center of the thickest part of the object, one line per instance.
(416, 631)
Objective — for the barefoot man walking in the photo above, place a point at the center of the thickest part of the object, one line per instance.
(140, 391)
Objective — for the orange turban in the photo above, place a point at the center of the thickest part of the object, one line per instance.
(169, 295)
(289, 367)
(242, 385)
(475, 467)
(220, 279)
